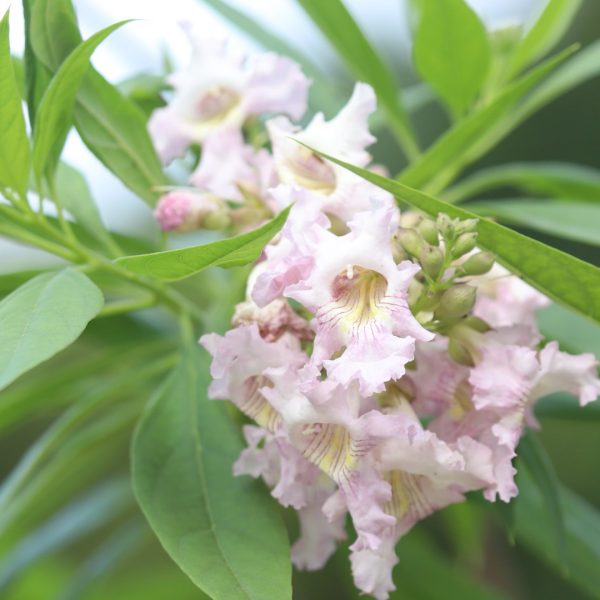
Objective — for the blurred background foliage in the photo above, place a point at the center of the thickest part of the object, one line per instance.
(70, 529)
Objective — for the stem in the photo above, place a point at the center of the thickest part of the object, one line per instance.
(124, 306)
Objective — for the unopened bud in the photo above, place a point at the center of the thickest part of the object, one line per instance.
(464, 244)
(445, 226)
(217, 220)
(477, 324)
(432, 260)
(467, 226)
(456, 302)
(429, 232)
(459, 353)
(411, 241)
(415, 289)
(478, 264)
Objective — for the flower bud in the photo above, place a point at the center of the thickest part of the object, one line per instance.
(459, 353)
(477, 324)
(464, 244)
(445, 226)
(467, 226)
(429, 231)
(183, 211)
(432, 260)
(411, 241)
(456, 302)
(478, 264)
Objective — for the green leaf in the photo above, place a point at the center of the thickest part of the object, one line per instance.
(337, 24)
(42, 317)
(451, 51)
(473, 135)
(232, 252)
(54, 116)
(14, 145)
(578, 221)
(74, 194)
(534, 529)
(562, 277)
(112, 127)
(558, 180)
(566, 407)
(83, 516)
(534, 457)
(546, 32)
(224, 532)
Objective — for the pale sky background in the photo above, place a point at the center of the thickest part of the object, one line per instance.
(140, 46)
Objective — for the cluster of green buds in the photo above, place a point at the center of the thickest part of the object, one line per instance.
(441, 296)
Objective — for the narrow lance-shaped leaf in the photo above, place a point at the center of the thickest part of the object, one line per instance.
(42, 317)
(475, 134)
(14, 145)
(232, 252)
(334, 20)
(112, 127)
(451, 51)
(559, 180)
(545, 33)
(534, 457)
(54, 117)
(572, 220)
(562, 277)
(224, 532)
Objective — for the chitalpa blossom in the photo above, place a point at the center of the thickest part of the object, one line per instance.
(223, 87)
(386, 367)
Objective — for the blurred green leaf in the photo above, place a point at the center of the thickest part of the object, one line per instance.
(566, 407)
(42, 317)
(558, 180)
(451, 51)
(535, 530)
(224, 532)
(338, 26)
(562, 277)
(578, 221)
(545, 33)
(112, 127)
(144, 90)
(107, 557)
(534, 457)
(14, 145)
(75, 196)
(54, 115)
(473, 135)
(231, 252)
(575, 333)
(83, 516)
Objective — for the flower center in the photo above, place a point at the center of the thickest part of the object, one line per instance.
(408, 496)
(312, 172)
(255, 405)
(358, 297)
(215, 104)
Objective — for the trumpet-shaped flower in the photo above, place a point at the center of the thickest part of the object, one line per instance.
(346, 136)
(222, 88)
(241, 359)
(358, 295)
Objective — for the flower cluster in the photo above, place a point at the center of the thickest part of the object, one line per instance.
(387, 365)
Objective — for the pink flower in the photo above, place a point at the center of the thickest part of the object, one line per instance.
(221, 88)
(346, 136)
(229, 168)
(239, 367)
(358, 295)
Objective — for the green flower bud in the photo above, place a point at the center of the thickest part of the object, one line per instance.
(477, 324)
(459, 353)
(432, 260)
(445, 226)
(429, 232)
(217, 220)
(456, 302)
(467, 226)
(411, 241)
(464, 244)
(478, 264)
(415, 289)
